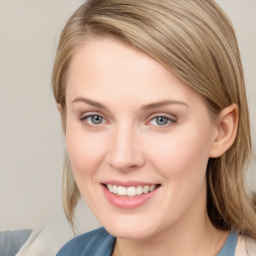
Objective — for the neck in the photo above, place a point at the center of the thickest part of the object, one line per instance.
(203, 241)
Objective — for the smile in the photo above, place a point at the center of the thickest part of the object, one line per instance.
(129, 195)
(130, 191)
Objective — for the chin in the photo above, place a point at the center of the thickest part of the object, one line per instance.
(130, 230)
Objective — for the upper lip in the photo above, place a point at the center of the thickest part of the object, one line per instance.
(130, 183)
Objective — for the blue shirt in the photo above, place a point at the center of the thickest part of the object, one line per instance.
(100, 243)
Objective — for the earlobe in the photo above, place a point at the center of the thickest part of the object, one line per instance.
(59, 107)
(226, 130)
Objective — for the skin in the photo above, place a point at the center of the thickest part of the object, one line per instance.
(128, 144)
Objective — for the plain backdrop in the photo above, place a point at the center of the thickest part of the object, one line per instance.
(31, 142)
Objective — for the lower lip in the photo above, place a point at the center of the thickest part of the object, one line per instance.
(128, 202)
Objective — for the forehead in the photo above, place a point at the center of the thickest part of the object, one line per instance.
(108, 69)
(107, 56)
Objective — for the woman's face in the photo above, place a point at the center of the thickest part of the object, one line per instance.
(138, 139)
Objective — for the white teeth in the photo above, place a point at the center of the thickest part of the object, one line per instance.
(139, 190)
(110, 188)
(121, 191)
(152, 187)
(130, 191)
(146, 189)
(114, 189)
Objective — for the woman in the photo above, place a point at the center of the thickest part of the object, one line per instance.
(154, 111)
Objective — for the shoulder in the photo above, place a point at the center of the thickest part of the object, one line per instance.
(97, 242)
(246, 246)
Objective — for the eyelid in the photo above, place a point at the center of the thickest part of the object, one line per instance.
(157, 114)
(91, 114)
(171, 118)
(85, 114)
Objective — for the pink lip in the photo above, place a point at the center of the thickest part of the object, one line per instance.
(125, 202)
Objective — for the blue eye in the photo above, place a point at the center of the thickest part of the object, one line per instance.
(161, 121)
(94, 119)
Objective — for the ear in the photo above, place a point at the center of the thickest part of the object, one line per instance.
(226, 129)
(59, 107)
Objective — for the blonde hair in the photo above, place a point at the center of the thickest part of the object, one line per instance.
(195, 40)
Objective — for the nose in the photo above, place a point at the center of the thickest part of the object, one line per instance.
(124, 151)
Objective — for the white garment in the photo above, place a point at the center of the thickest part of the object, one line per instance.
(245, 247)
(48, 240)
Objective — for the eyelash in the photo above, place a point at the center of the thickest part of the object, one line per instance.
(169, 120)
(85, 119)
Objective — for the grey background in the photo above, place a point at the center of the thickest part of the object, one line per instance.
(31, 142)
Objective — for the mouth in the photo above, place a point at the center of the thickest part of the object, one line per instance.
(131, 191)
(130, 194)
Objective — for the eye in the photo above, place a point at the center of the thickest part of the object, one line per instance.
(93, 119)
(162, 121)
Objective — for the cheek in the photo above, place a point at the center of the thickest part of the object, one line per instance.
(182, 161)
(85, 150)
(184, 153)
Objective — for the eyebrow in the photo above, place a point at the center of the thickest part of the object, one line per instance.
(144, 107)
(88, 101)
(162, 104)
